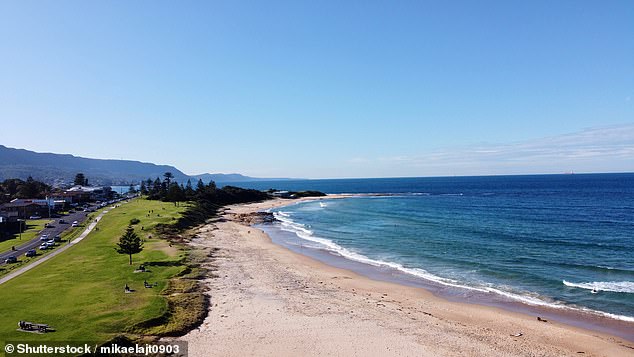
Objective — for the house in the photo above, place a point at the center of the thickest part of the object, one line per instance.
(281, 194)
(81, 194)
(21, 208)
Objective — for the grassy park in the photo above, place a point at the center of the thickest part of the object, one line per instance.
(80, 293)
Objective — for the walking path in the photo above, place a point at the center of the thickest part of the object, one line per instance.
(26, 268)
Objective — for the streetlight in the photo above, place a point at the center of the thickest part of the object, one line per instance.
(20, 221)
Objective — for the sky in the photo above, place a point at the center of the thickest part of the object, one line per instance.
(324, 89)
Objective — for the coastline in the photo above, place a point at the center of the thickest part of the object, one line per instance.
(267, 299)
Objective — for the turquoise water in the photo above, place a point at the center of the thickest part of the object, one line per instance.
(559, 241)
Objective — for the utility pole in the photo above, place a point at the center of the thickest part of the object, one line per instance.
(20, 221)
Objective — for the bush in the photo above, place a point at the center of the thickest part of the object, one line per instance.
(134, 221)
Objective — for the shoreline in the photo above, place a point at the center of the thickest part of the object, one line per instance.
(268, 299)
(598, 321)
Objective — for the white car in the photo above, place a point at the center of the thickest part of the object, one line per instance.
(44, 237)
(44, 246)
(75, 224)
(50, 244)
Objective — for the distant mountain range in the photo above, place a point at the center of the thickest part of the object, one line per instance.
(58, 169)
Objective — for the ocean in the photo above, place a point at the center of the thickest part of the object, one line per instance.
(559, 241)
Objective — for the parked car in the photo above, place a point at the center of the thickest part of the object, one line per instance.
(75, 224)
(35, 217)
(58, 238)
(61, 221)
(43, 246)
(11, 259)
(50, 244)
(31, 253)
(44, 237)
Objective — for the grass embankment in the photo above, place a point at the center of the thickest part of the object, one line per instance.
(32, 229)
(81, 294)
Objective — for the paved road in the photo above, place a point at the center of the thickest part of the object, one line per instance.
(57, 251)
(55, 228)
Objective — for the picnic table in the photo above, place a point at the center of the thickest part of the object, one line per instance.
(31, 326)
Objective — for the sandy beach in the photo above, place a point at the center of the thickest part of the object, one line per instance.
(267, 300)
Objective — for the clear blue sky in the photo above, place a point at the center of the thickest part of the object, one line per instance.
(324, 88)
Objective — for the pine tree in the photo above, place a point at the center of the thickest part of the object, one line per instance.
(156, 186)
(189, 190)
(129, 243)
(200, 187)
(143, 188)
(80, 180)
(168, 178)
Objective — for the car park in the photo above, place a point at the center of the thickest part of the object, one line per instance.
(31, 253)
(11, 259)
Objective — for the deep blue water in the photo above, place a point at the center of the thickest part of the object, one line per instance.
(543, 239)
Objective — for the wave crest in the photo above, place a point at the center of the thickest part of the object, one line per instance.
(302, 231)
(612, 286)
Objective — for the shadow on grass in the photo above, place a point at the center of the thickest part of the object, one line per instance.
(171, 263)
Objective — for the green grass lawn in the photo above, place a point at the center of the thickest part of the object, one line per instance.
(80, 292)
(33, 227)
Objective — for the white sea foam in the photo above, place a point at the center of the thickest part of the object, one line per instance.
(613, 286)
(302, 231)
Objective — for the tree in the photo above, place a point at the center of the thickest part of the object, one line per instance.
(175, 194)
(168, 178)
(143, 188)
(189, 190)
(129, 243)
(200, 186)
(30, 188)
(80, 180)
(156, 186)
(132, 189)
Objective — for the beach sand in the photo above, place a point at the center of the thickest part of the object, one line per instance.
(268, 301)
